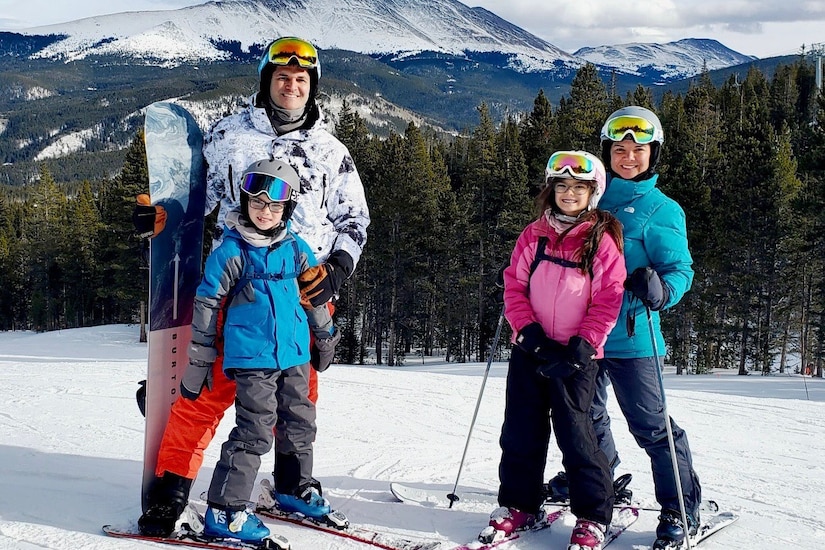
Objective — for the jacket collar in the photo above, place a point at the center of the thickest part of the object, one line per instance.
(621, 191)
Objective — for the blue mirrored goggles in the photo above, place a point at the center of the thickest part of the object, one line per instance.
(274, 187)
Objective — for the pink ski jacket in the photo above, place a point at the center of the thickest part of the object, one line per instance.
(565, 301)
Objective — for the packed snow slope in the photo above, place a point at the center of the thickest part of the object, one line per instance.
(71, 443)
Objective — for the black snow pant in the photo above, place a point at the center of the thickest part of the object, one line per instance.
(533, 402)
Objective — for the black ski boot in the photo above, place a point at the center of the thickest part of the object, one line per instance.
(670, 533)
(167, 498)
(557, 489)
(623, 495)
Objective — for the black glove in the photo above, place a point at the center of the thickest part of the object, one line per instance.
(534, 341)
(580, 354)
(323, 352)
(197, 376)
(577, 355)
(647, 286)
(320, 284)
(149, 220)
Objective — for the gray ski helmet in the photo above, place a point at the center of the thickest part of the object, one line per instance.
(273, 178)
(289, 50)
(651, 133)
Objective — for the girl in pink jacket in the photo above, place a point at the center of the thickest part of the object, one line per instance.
(562, 294)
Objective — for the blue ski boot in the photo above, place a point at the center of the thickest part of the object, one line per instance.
(240, 525)
(308, 502)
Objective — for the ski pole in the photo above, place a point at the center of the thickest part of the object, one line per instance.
(670, 442)
(452, 497)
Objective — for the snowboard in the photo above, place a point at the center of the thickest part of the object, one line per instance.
(177, 182)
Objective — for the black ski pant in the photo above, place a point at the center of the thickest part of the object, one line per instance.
(533, 404)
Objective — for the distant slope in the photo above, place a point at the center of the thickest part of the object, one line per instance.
(666, 62)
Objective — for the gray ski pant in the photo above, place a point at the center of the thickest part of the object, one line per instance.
(264, 399)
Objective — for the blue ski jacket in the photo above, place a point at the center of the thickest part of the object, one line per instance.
(265, 325)
(655, 235)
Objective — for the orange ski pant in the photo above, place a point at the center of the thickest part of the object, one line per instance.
(192, 424)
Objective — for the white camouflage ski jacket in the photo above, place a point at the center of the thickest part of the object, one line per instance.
(331, 213)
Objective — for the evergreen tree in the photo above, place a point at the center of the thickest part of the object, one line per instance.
(45, 227)
(123, 257)
(538, 140)
(80, 258)
(580, 120)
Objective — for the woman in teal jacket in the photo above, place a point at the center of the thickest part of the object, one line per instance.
(659, 266)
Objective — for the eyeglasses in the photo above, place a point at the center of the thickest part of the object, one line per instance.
(572, 164)
(258, 204)
(274, 187)
(284, 50)
(640, 129)
(578, 188)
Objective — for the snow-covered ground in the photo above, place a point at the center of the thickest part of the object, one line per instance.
(71, 444)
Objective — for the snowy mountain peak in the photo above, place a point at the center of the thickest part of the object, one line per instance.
(366, 26)
(672, 60)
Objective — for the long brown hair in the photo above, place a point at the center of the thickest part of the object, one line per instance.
(603, 222)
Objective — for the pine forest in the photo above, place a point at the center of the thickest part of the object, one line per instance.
(744, 159)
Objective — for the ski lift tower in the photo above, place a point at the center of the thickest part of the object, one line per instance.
(818, 52)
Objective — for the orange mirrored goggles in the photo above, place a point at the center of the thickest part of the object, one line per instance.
(284, 50)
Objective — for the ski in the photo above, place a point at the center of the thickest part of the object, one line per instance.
(432, 497)
(177, 181)
(189, 532)
(709, 526)
(435, 498)
(196, 540)
(622, 519)
(336, 523)
(494, 539)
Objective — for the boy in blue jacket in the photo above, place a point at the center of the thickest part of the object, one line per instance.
(253, 277)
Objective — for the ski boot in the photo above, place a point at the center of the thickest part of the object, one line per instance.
(307, 504)
(505, 521)
(623, 495)
(587, 535)
(670, 533)
(238, 524)
(557, 490)
(167, 498)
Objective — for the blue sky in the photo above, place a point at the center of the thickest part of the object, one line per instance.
(762, 28)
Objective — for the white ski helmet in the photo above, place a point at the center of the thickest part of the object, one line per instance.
(579, 165)
(642, 126)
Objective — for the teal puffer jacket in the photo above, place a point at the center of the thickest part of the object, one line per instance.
(655, 235)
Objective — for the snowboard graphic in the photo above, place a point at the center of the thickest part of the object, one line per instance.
(177, 181)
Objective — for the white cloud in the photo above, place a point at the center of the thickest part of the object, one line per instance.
(762, 28)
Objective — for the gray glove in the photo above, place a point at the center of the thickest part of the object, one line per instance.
(199, 372)
(197, 376)
(323, 352)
